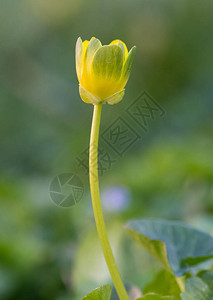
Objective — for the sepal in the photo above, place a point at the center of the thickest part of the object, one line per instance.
(117, 97)
(87, 97)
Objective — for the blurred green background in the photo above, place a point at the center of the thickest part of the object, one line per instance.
(49, 252)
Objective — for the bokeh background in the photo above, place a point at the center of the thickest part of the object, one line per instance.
(48, 252)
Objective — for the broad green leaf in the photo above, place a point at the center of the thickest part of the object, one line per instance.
(197, 289)
(101, 293)
(164, 284)
(155, 297)
(133, 292)
(207, 277)
(176, 245)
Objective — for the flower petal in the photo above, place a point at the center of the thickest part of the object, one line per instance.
(107, 62)
(106, 70)
(85, 44)
(92, 47)
(122, 45)
(79, 58)
(127, 66)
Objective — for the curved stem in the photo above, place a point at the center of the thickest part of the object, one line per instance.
(180, 282)
(96, 201)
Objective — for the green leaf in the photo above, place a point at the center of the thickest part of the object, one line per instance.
(101, 293)
(155, 297)
(176, 245)
(207, 277)
(197, 289)
(164, 284)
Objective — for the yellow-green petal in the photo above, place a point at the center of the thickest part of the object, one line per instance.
(107, 63)
(92, 47)
(85, 44)
(122, 45)
(79, 58)
(127, 65)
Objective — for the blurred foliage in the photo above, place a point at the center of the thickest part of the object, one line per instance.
(44, 126)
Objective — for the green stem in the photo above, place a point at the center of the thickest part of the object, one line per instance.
(96, 201)
(181, 284)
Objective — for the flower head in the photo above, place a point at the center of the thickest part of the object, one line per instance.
(102, 71)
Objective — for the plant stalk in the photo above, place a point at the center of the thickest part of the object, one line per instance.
(97, 208)
(180, 282)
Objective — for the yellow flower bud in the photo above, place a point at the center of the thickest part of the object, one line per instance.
(102, 71)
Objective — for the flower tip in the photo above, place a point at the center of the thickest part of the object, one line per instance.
(132, 52)
(78, 43)
(79, 39)
(133, 48)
